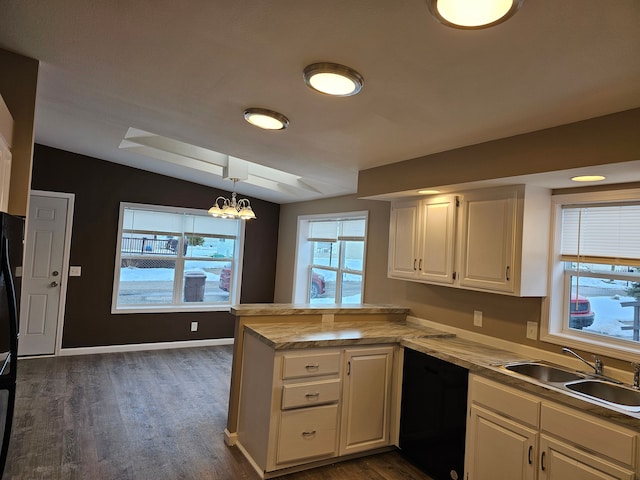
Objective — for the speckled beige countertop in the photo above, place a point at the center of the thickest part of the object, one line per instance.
(476, 357)
(259, 309)
(282, 336)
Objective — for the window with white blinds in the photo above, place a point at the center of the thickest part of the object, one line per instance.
(594, 294)
(330, 258)
(601, 233)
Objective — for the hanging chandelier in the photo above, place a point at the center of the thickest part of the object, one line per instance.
(234, 208)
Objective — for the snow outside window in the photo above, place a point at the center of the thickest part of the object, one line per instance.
(595, 286)
(171, 259)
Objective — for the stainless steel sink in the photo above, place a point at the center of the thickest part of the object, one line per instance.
(543, 372)
(609, 392)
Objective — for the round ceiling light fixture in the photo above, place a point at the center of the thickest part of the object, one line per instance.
(333, 79)
(266, 119)
(588, 178)
(473, 14)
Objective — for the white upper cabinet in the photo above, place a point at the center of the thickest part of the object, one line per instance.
(6, 134)
(422, 240)
(436, 247)
(497, 240)
(403, 240)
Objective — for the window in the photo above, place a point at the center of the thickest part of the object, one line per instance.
(330, 260)
(171, 259)
(594, 300)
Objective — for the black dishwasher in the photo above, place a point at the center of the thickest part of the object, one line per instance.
(433, 415)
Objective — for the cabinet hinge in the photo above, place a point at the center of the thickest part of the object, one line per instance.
(457, 202)
(454, 275)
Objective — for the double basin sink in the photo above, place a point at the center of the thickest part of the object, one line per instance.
(580, 383)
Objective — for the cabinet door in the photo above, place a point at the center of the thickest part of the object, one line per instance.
(499, 448)
(488, 240)
(559, 461)
(5, 175)
(366, 399)
(403, 237)
(437, 239)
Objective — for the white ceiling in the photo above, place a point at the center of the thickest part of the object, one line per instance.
(186, 70)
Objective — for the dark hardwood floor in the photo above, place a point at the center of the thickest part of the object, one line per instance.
(157, 415)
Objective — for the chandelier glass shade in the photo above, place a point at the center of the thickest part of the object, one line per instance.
(232, 208)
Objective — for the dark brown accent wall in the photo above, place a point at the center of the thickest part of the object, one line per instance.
(99, 187)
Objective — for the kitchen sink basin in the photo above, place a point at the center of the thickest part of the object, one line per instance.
(543, 372)
(609, 392)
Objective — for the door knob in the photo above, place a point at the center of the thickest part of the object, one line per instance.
(53, 284)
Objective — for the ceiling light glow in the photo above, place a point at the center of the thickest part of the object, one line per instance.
(473, 13)
(428, 192)
(588, 178)
(266, 119)
(333, 79)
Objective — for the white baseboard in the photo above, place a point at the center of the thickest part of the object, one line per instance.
(138, 347)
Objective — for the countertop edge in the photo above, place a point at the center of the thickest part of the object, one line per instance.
(259, 309)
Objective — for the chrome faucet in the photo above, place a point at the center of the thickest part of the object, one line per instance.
(597, 368)
(636, 375)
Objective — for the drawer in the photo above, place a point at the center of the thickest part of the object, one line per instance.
(505, 400)
(295, 366)
(311, 393)
(590, 433)
(307, 433)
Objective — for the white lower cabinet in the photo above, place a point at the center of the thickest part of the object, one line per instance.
(366, 401)
(559, 461)
(514, 435)
(303, 406)
(501, 447)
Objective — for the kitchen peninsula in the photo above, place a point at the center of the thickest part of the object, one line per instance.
(307, 322)
(333, 374)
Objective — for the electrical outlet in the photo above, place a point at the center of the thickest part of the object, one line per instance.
(532, 330)
(194, 326)
(477, 318)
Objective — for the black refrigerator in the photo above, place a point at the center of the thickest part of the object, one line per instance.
(11, 247)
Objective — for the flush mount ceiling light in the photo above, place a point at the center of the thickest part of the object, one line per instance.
(473, 14)
(267, 119)
(588, 178)
(333, 79)
(428, 192)
(234, 208)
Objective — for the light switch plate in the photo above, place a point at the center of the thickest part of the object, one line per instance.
(75, 271)
(532, 330)
(477, 318)
(194, 326)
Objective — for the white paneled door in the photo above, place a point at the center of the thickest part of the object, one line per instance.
(42, 275)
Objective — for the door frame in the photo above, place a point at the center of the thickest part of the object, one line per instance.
(66, 254)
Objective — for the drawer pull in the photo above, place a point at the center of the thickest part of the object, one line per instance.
(312, 395)
(312, 366)
(309, 434)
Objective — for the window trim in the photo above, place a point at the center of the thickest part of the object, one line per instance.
(303, 265)
(236, 280)
(552, 328)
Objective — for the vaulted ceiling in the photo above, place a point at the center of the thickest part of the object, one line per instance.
(161, 85)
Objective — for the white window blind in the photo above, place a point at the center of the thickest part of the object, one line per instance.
(334, 230)
(601, 234)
